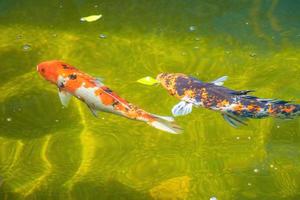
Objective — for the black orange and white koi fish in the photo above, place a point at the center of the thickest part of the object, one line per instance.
(235, 106)
(98, 97)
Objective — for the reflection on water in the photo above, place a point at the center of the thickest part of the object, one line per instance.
(50, 152)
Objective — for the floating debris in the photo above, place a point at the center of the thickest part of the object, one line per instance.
(148, 80)
(252, 54)
(90, 18)
(196, 47)
(256, 170)
(174, 188)
(278, 126)
(56, 120)
(271, 166)
(213, 198)
(249, 184)
(26, 47)
(197, 39)
(102, 36)
(8, 119)
(237, 137)
(192, 28)
(249, 138)
(247, 23)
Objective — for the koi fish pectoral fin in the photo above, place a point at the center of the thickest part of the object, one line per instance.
(182, 108)
(64, 97)
(220, 81)
(234, 121)
(93, 110)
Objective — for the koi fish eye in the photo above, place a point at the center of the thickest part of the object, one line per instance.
(43, 70)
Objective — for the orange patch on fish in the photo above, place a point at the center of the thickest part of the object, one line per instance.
(190, 93)
(289, 109)
(252, 108)
(204, 94)
(223, 103)
(106, 99)
(72, 85)
(238, 107)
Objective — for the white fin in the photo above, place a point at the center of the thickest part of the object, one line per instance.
(167, 126)
(64, 97)
(94, 111)
(167, 118)
(182, 108)
(220, 81)
(234, 121)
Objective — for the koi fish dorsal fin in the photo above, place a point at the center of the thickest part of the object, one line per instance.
(182, 108)
(242, 92)
(99, 81)
(220, 81)
(234, 121)
(64, 97)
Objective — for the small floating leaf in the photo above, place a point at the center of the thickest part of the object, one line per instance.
(147, 80)
(90, 18)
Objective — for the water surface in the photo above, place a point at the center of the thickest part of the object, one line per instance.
(50, 152)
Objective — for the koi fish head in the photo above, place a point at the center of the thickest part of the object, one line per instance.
(52, 70)
(173, 82)
(169, 80)
(165, 79)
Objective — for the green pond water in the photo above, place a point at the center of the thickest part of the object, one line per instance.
(50, 152)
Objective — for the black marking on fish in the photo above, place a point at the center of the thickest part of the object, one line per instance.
(108, 90)
(115, 103)
(182, 84)
(72, 76)
(65, 66)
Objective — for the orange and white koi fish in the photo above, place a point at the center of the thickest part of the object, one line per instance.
(98, 97)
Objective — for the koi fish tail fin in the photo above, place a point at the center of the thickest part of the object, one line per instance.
(164, 123)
